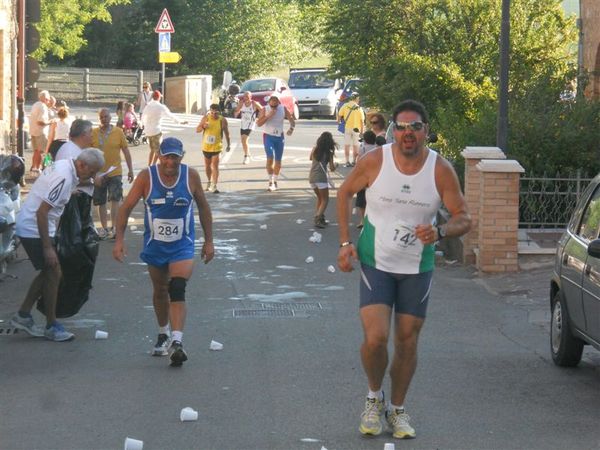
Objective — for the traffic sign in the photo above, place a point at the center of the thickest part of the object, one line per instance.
(164, 42)
(164, 24)
(169, 57)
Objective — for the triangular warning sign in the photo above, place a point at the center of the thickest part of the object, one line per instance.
(164, 24)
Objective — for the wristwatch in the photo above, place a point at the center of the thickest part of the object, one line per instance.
(441, 232)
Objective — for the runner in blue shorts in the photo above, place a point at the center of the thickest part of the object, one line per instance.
(405, 183)
(271, 119)
(169, 190)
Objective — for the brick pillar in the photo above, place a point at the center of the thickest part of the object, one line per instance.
(498, 215)
(473, 155)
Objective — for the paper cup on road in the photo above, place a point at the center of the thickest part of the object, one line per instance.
(309, 259)
(214, 345)
(263, 227)
(331, 269)
(389, 446)
(188, 414)
(101, 334)
(133, 444)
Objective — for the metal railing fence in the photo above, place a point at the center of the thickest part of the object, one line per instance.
(548, 202)
(94, 85)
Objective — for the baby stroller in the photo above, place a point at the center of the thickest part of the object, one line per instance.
(135, 135)
(134, 132)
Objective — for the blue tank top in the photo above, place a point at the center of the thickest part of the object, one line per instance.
(169, 215)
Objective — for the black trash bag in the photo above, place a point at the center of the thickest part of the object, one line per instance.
(77, 248)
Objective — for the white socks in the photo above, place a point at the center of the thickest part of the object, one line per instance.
(375, 394)
(177, 336)
(164, 330)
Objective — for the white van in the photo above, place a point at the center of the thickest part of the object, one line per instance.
(317, 94)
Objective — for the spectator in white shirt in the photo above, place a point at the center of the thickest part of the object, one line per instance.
(36, 227)
(39, 121)
(153, 113)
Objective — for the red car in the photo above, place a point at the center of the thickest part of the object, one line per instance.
(262, 88)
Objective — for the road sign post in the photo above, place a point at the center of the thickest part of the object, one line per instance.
(164, 28)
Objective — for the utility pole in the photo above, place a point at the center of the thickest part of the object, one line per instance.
(502, 125)
(580, 69)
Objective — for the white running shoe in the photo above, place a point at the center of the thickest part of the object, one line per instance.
(398, 423)
(370, 419)
(246, 159)
(161, 348)
(27, 324)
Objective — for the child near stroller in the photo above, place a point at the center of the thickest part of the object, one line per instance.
(131, 127)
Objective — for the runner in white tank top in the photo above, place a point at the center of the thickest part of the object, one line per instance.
(406, 183)
(271, 119)
(248, 110)
(396, 204)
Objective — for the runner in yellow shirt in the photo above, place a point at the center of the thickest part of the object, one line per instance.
(213, 125)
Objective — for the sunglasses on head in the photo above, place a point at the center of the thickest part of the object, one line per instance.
(416, 125)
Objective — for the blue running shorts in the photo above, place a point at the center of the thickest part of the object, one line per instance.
(405, 293)
(273, 146)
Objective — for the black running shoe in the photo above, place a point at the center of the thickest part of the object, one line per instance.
(177, 354)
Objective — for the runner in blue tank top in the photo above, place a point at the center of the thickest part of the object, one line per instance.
(169, 190)
(406, 182)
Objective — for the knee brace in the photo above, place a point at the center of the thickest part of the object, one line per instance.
(177, 289)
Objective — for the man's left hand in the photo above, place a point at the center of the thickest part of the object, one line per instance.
(290, 131)
(427, 234)
(208, 252)
(130, 176)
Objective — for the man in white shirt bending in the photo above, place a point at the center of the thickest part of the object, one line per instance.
(153, 113)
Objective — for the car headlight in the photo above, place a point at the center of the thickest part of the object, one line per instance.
(325, 101)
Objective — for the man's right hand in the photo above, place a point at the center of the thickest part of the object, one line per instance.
(345, 257)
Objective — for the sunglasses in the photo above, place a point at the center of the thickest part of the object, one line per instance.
(416, 125)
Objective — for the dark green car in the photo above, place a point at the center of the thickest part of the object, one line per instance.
(575, 285)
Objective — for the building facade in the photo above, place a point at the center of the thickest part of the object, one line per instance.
(8, 36)
(590, 23)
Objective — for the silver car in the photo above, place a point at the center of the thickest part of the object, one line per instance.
(575, 285)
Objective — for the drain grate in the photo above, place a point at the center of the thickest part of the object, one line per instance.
(8, 331)
(263, 313)
(305, 306)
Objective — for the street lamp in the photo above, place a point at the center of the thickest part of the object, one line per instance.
(502, 124)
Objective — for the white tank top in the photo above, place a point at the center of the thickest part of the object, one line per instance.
(247, 116)
(62, 129)
(274, 126)
(396, 203)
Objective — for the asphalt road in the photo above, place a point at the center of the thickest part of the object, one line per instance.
(289, 375)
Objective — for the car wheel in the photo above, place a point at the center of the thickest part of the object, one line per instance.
(296, 112)
(566, 349)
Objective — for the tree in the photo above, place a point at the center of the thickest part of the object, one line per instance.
(63, 23)
(445, 53)
(247, 37)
